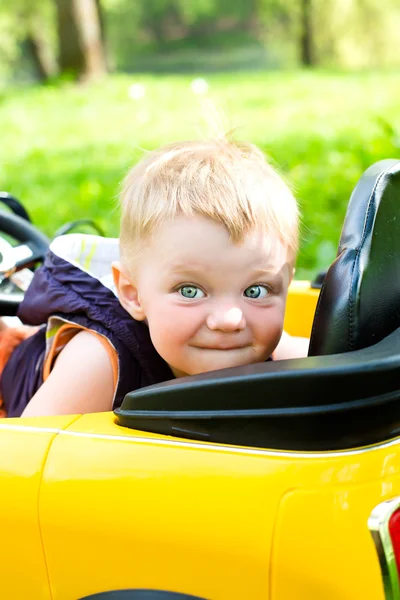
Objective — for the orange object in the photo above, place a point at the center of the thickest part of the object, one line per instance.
(10, 338)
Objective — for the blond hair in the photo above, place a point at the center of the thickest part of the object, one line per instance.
(229, 182)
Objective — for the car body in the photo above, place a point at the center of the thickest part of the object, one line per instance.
(89, 506)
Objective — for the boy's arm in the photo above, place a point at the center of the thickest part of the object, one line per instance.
(81, 381)
(291, 347)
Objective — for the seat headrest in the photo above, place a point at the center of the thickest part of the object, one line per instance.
(359, 303)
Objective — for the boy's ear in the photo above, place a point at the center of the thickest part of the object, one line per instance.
(127, 292)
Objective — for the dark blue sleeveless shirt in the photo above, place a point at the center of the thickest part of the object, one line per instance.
(68, 290)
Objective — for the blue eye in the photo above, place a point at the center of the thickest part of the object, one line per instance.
(256, 291)
(191, 291)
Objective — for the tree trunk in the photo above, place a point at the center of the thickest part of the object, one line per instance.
(306, 35)
(102, 24)
(253, 22)
(103, 33)
(40, 54)
(81, 50)
(89, 27)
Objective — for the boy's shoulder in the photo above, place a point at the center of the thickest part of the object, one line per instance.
(74, 286)
(74, 279)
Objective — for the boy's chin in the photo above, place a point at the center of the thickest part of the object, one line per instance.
(215, 365)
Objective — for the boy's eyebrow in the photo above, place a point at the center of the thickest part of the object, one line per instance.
(267, 273)
(185, 267)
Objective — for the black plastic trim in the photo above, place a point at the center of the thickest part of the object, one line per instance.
(317, 403)
(24, 232)
(71, 225)
(140, 595)
(15, 205)
(318, 280)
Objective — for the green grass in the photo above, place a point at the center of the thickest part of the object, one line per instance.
(64, 150)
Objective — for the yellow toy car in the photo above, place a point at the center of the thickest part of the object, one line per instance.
(275, 481)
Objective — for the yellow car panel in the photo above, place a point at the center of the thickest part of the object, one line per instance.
(23, 450)
(156, 514)
(301, 303)
(219, 522)
(323, 548)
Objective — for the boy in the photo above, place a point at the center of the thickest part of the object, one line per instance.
(208, 240)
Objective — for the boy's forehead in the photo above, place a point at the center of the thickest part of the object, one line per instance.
(200, 243)
(202, 229)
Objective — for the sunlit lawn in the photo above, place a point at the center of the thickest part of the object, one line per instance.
(64, 150)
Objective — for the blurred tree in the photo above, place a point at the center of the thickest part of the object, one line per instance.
(37, 46)
(349, 33)
(306, 33)
(103, 35)
(167, 20)
(80, 38)
(291, 22)
(26, 38)
(356, 33)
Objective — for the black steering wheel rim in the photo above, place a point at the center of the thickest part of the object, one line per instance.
(26, 235)
(24, 232)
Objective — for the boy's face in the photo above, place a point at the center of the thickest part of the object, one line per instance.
(209, 303)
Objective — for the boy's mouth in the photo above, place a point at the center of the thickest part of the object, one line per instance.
(223, 347)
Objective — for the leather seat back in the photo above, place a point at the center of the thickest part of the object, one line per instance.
(359, 303)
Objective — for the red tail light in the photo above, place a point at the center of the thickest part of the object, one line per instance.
(384, 525)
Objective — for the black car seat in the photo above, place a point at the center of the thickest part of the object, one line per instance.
(359, 303)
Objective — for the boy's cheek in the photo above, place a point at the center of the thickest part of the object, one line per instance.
(170, 342)
(173, 334)
(171, 328)
(268, 330)
(176, 321)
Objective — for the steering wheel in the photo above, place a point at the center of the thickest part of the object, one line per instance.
(30, 249)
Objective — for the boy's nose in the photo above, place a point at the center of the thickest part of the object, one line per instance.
(231, 319)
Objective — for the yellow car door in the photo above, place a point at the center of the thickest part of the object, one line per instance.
(24, 445)
(122, 509)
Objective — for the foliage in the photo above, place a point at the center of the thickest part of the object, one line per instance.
(345, 33)
(351, 33)
(357, 33)
(17, 19)
(66, 149)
